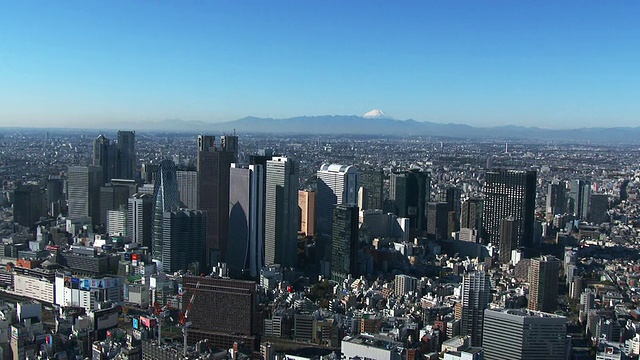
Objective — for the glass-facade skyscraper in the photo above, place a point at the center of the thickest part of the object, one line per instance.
(167, 198)
(509, 193)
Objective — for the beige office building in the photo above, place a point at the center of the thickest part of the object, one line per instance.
(307, 205)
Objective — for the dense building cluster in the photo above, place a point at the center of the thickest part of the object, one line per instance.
(176, 246)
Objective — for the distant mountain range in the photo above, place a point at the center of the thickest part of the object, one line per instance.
(377, 122)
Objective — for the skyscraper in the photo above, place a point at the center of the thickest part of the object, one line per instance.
(344, 242)
(337, 184)
(476, 295)
(140, 219)
(281, 212)
(509, 193)
(126, 163)
(579, 195)
(508, 238)
(246, 219)
(307, 203)
(525, 335)
(104, 155)
(409, 192)
(471, 220)
(556, 202)
(183, 238)
(471, 214)
(166, 199)
(112, 198)
(213, 165)
(55, 195)
(372, 181)
(188, 188)
(437, 220)
(28, 205)
(452, 196)
(84, 192)
(598, 207)
(543, 283)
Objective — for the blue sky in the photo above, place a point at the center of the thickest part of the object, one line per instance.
(556, 64)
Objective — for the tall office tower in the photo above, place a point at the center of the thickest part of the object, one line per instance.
(471, 214)
(452, 196)
(579, 195)
(213, 190)
(224, 311)
(524, 335)
(405, 284)
(28, 205)
(126, 163)
(556, 202)
(453, 223)
(337, 184)
(307, 204)
(437, 220)
(183, 238)
(509, 193)
(104, 155)
(372, 181)
(84, 192)
(166, 198)
(344, 242)
(508, 238)
(246, 215)
(55, 195)
(281, 212)
(598, 207)
(188, 188)
(140, 219)
(543, 283)
(476, 296)
(409, 193)
(111, 198)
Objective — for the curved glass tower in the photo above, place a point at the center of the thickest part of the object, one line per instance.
(167, 198)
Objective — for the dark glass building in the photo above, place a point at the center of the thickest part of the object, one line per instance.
(126, 155)
(409, 193)
(344, 242)
(166, 199)
(213, 165)
(437, 220)
(509, 193)
(183, 238)
(372, 181)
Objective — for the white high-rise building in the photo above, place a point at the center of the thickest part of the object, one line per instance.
(523, 334)
(139, 219)
(337, 184)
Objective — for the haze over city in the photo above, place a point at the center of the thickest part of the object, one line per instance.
(543, 63)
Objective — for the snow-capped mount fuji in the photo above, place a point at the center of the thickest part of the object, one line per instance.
(376, 114)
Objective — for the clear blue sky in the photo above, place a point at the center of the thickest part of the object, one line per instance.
(482, 63)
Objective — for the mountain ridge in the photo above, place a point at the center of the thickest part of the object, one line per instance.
(359, 125)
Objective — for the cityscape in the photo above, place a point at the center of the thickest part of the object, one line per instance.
(129, 245)
(319, 180)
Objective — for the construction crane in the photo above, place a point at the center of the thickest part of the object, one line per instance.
(184, 317)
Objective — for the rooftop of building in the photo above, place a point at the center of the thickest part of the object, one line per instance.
(526, 313)
(377, 341)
